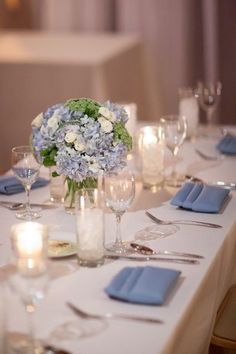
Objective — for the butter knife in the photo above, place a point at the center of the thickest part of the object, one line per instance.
(145, 259)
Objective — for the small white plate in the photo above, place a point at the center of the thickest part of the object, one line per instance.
(61, 248)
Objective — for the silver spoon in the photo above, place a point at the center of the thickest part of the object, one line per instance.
(142, 249)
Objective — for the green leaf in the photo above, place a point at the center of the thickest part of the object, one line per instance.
(55, 174)
(49, 155)
(122, 134)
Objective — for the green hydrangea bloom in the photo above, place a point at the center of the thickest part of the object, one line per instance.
(85, 105)
(121, 133)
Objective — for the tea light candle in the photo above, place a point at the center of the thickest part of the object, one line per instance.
(30, 245)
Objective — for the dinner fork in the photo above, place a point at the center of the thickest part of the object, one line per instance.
(111, 316)
(209, 157)
(186, 222)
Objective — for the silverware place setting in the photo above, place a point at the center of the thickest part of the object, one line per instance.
(145, 250)
(112, 316)
(220, 183)
(185, 222)
(205, 156)
(143, 258)
(19, 205)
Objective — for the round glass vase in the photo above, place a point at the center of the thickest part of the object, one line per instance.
(72, 187)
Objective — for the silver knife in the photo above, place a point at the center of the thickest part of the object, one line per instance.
(223, 184)
(144, 259)
(226, 185)
(112, 316)
(21, 205)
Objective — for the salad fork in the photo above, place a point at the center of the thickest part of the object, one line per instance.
(186, 222)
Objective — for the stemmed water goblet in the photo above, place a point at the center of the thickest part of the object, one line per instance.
(119, 191)
(208, 95)
(175, 131)
(26, 169)
(29, 280)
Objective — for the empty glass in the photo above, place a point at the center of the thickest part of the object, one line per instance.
(119, 192)
(208, 95)
(30, 281)
(175, 131)
(26, 169)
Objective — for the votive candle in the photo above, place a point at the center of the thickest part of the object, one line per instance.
(30, 246)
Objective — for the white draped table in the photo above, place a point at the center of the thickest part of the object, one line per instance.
(190, 309)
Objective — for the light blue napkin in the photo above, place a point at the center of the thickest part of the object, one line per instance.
(227, 145)
(144, 285)
(200, 197)
(11, 185)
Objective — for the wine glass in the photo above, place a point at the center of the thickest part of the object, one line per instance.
(119, 190)
(31, 291)
(26, 169)
(208, 95)
(175, 131)
(30, 280)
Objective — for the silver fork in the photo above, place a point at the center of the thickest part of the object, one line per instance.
(112, 316)
(186, 222)
(209, 157)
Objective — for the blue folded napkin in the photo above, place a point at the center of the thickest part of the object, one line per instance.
(142, 285)
(200, 197)
(11, 185)
(227, 145)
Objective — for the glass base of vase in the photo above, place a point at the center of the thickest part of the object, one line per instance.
(69, 210)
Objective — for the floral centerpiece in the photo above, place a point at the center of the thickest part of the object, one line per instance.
(83, 139)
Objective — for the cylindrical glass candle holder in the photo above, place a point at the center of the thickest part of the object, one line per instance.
(188, 107)
(151, 152)
(30, 246)
(90, 227)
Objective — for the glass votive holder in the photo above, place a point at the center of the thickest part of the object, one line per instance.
(188, 107)
(131, 109)
(151, 150)
(30, 246)
(56, 186)
(90, 229)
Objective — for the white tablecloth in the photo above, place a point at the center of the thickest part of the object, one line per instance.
(189, 311)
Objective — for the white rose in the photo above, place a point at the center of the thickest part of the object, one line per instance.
(53, 122)
(70, 137)
(79, 146)
(37, 121)
(106, 126)
(107, 114)
(104, 111)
